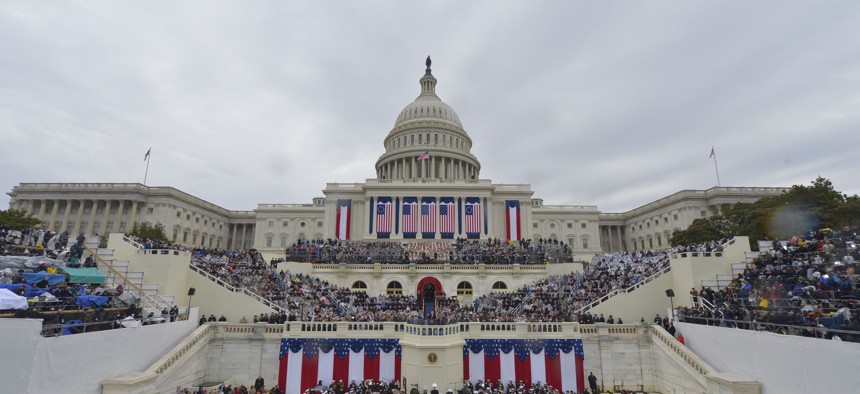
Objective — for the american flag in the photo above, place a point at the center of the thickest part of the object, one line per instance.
(410, 216)
(447, 217)
(383, 216)
(473, 217)
(428, 217)
(555, 362)
(305, 362)
(424, 156)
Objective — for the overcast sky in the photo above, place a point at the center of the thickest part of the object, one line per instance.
(606, 103)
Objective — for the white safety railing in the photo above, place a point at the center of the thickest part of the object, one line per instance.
(629, 289)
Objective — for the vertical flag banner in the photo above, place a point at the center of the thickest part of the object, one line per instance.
(410, 217)
(447, 217)
(473, 217)
(383, 217)
(428, 217)
(344, 212)
(304, 362)
(512, 220)
(554, 362)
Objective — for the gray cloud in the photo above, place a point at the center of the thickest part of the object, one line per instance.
(609, 104)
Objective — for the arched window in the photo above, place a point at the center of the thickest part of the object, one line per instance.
(499, 285)
(394, 288)
(464, 289)
(359, 285)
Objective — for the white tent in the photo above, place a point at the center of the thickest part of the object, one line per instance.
(10, 300)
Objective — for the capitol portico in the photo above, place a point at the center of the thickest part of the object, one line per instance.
(427, 187)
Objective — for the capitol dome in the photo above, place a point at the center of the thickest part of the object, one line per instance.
(428, 141)
(428, 106)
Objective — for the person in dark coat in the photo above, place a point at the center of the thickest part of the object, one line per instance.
(592, 382)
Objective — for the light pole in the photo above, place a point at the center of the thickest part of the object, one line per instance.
(191, 292)
(671, 294)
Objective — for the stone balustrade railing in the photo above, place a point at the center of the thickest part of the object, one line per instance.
(659, 335)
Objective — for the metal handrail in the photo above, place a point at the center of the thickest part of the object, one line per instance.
(785, 329)
(234, 289)
(629, 289)
(146, 298)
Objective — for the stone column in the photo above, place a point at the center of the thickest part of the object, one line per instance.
(103, 225)
(16, 205)
(68, 210)
(242, 239)
(93, 205)
(412, 168)
(42, 204)
(53, 218)
(619, 238)
(77, 229)
(117, 223)
(132, 215)
(233, 236)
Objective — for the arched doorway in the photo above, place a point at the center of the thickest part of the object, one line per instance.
(429, 291)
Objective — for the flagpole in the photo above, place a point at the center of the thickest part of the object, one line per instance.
(145, 174)
(716, 169)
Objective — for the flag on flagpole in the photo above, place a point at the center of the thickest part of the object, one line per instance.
(712, 152)
(425, 155)
(146, 156)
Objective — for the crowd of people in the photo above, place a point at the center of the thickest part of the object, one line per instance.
(460, 251)
(808, 281)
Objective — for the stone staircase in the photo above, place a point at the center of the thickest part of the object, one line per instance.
(116, 272)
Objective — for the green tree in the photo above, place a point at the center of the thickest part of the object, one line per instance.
(701, 230)
(798, 210)
(145, 230)
(18, 220)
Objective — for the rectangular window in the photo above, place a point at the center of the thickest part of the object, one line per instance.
(659, 241)
(583, 225)
(286, 223)
(319, 223)
(269, 242)
(283, 241)
(194, 239)
(196, 220)
(570, 225)
(650, 243)
(185, 236)
(271, 223)
(150, 210)
(585, 243)
(178, 214)
(534, 225)
(704, 213)
(675, 217)
(665, 220)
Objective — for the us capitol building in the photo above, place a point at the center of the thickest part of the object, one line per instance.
(427, 186)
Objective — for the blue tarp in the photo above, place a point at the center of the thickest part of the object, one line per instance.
(53, 279)
(89, 300)
(29, 291)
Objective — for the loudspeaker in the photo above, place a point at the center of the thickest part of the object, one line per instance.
(670, 293)
(191, 291)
